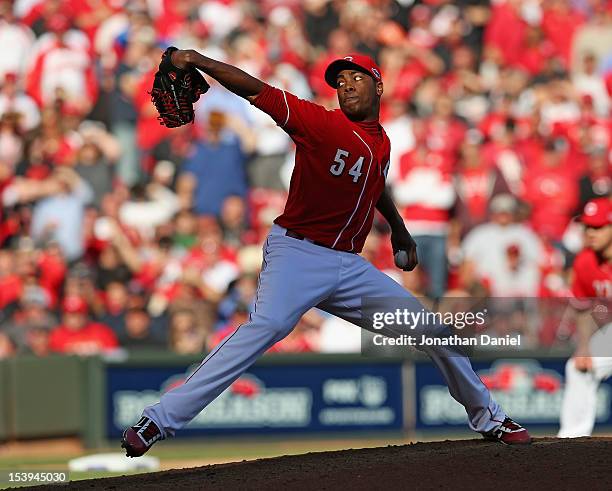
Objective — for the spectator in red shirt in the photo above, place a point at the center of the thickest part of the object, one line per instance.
(424, 192)
(560, 22)
(535, 51)
(77, 334)
(506, 30)
(444, 131)
(405, 67)
(11, 284)
(552, 192)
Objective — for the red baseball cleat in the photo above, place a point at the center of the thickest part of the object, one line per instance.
(509, 433)
(138, 439)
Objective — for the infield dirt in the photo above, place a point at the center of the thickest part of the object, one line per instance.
(549, 463)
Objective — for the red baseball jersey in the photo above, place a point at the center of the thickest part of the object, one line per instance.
(592, 278)
(340, 170)
(91, 339)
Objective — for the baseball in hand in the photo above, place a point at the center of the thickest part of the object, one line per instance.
(401, 259)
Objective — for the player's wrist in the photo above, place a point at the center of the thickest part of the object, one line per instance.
(181, 58)
(197, 60)
(582, 350)
(398, 228)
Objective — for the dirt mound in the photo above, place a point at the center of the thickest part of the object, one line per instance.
(583, 463)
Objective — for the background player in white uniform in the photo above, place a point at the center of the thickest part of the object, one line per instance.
(309, 258)
(592, 288)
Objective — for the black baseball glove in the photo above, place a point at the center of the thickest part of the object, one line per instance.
(175, 90)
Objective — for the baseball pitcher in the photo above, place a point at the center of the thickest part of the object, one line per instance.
(310, 258)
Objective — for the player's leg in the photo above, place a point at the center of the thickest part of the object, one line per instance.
(294, 277)
(579, 406)
(360, 279)
(579, 402)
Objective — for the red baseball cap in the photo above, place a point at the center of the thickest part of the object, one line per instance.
(357, 61)
(597, 213)
(74, 305)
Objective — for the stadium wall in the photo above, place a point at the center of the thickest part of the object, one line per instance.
(281, 394)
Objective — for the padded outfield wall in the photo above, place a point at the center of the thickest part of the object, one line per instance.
(280, 395)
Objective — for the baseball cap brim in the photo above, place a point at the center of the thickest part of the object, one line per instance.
(335, 67)
(593, 221)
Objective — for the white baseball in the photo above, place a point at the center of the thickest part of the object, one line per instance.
(401, 259)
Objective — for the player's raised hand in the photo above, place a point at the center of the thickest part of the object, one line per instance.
(404, 249)
(176, 87)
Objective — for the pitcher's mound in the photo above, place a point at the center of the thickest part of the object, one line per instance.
(549, 463)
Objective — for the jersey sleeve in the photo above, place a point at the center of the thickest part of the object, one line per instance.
(578, 288)
(300, 119)
(580, 291)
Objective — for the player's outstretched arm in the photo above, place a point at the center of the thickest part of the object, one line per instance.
(401, 240)
(300, 119)
(231, 77)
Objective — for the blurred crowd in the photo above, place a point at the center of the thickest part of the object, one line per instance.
(116, 232)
